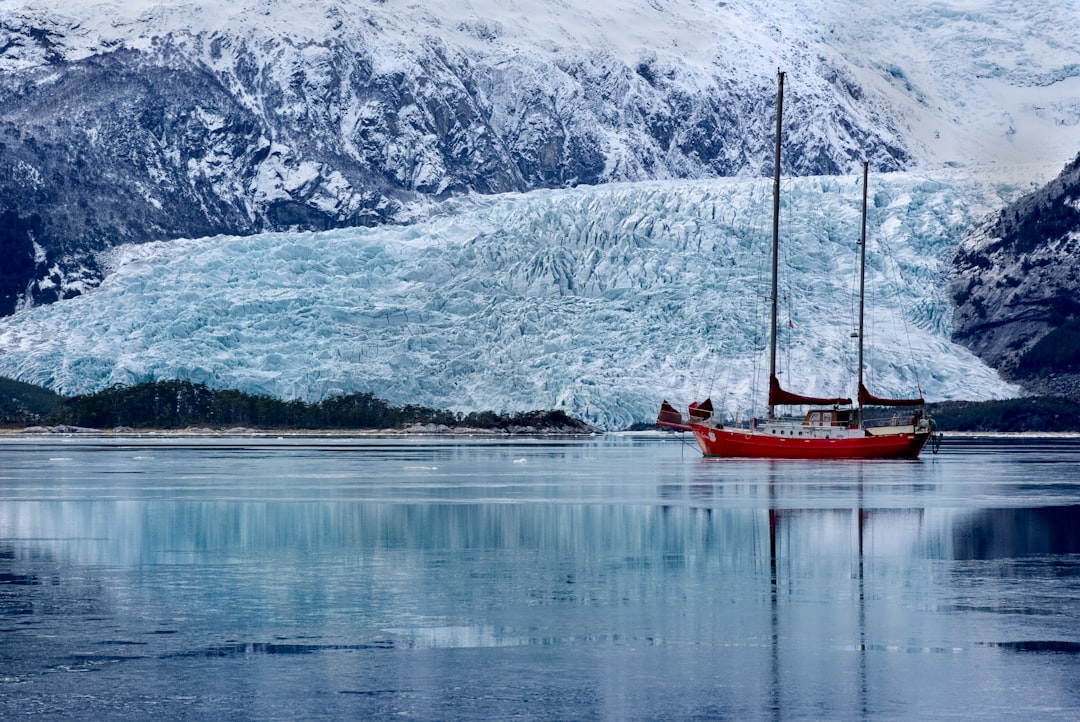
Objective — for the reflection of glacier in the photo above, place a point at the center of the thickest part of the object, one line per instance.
(616, 575)
(620, 577)
(743, 539)
(596, 300)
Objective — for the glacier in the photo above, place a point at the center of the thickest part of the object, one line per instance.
(600, 301)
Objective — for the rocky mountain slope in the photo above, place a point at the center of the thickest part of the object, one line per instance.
(142, 120)
(1016, 286)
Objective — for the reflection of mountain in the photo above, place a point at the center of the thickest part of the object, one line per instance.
(696, 522)
(1009, 533)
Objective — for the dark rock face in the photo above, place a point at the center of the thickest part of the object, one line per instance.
(106, 153)
(17, 257)
(204, 134)
(1016, 285)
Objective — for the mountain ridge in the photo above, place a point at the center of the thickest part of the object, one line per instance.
(155, 122)
(139, 121)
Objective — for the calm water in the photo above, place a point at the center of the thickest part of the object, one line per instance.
(622, 577)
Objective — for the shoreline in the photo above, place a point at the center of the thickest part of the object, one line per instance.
(241, 432)
(422, 430)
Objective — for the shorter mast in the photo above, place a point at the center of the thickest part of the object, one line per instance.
(862, 277)
(865, 397)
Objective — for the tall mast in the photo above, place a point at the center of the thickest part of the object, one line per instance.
(862, 276)
(775, 231)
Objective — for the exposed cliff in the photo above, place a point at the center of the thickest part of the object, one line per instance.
(1016, 284)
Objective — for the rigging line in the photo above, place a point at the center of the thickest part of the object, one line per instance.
(725, 389)
(785, 285)
(896, 286)
(734, 292)
(853, 315)
(740, 294)
(695, 348)
(712, 375)
(685, 443)
(853, 318)
(761, 195)
(843, 342)
(712, 326)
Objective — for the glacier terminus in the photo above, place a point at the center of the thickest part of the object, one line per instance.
(594, 300)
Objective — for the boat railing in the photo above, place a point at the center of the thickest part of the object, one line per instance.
(905, 419)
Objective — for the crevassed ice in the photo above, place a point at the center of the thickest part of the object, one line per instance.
(600, 301)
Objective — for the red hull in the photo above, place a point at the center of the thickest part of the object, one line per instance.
(748, 444)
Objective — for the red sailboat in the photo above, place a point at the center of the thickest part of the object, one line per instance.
(832, 428)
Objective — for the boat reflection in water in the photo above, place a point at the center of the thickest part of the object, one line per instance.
(609, 578)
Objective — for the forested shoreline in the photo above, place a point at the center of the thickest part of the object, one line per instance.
(183, 404)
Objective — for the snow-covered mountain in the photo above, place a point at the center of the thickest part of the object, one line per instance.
(597, 300)
(139, 120)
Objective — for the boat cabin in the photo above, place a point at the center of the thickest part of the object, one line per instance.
(829, 417)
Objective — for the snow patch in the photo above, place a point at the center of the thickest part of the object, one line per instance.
(971, 81)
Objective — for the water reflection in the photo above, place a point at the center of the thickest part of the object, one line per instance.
(1007, 533)
(572, 580)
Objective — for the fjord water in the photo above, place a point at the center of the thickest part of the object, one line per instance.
(615, 577)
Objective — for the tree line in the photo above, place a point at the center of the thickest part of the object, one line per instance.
(183, 404)
(1032, 413)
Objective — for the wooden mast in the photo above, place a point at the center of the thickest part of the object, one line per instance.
(862, 278)
(775, 232)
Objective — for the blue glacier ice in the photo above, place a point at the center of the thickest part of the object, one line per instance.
(598, 300)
